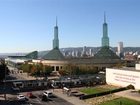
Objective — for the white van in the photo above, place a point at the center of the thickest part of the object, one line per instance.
(48, 94)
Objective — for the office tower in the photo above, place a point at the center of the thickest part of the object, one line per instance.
(120, 48)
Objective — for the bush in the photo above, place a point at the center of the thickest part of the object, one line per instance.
(101, 93)
(130, 87)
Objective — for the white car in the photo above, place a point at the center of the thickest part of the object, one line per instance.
(48, 94)
(21, 97)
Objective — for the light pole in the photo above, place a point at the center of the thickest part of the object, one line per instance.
(4, 64)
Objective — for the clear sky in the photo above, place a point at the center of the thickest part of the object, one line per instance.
(27, 25)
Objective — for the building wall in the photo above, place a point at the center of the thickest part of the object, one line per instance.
(137, 66)
(56, 64)
(123, 77)
(78, 62)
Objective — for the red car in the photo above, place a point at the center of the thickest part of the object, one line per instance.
(30, 95)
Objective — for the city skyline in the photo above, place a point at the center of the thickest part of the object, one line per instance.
(27, 25)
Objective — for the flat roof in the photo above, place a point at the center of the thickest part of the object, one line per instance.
(128, 69)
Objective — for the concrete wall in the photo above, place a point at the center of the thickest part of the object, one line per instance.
(137, 66)
(123, 77)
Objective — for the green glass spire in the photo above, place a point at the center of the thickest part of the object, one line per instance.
(56, 40)
(105, 38)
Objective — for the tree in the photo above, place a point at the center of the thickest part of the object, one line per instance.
(3, 70)
(72, 69)
(67, 70)
(37, 70)
(26, 67)
(130, 86)
(47, 70)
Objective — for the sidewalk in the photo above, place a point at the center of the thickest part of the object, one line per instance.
(129, 94)
(71, 99)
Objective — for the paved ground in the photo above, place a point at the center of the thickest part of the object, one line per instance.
(72, 99)
(12, 100)
(131, 94)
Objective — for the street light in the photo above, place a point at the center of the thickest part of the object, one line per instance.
(5, 80)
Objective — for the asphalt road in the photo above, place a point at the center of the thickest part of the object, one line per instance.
(12, 100)
(52, 101)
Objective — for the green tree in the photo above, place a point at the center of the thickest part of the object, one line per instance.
(26, 67)
(47, 70)
(71, 69)
(3, 70)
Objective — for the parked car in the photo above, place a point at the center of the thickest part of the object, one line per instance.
(30, 95)
(48, 94)
(22, 97)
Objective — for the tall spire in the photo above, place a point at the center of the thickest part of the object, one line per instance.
(56, 20)
(105, 38)
(104, 17)
(56, 39)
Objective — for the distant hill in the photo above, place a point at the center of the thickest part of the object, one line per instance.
(94, 50)
(71, 49)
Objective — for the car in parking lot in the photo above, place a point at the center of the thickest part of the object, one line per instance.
(48, 94)
(31, 95)
(22, 97)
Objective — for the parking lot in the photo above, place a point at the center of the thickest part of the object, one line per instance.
(37, 100)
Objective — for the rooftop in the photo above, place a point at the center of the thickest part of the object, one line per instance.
(127, 69)
(54, 54)
(105, 53)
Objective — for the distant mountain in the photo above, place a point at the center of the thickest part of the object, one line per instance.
(74, 49)
(93, 49)
(5, 55)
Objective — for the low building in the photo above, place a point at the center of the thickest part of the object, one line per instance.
(16, 61)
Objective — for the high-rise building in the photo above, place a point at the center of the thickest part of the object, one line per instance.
(120, 48)
(84, 51)
(105, 38)
(56, 40)
(90, 52)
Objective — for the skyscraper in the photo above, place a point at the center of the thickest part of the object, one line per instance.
(105, 38)
(120, 48)
(56, 40)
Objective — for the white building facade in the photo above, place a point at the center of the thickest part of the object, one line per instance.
(123, 77)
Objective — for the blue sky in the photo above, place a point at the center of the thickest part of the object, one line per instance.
(27, 25)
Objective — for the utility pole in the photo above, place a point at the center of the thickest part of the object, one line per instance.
(4, 64)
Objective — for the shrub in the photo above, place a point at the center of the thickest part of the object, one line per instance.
(130, 87)
(101, 93)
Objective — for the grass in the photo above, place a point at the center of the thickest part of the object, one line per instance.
(121, 101)
(93, 90)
